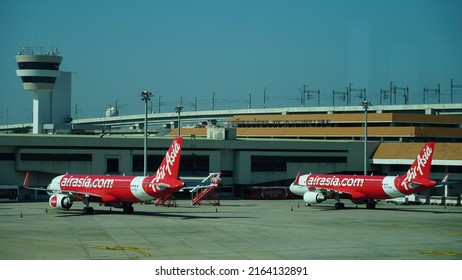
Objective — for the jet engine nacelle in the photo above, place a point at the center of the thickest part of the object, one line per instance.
(313, 197)
(60, 201)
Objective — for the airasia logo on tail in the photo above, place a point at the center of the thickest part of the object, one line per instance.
(169, 161)
(415, 170)
(54, 201)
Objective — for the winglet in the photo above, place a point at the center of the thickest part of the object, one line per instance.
(445, 179)
(26, 180)
(297, 178)
(217, 181)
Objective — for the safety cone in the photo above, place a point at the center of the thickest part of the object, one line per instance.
(21, 214)
(291, 208)
(46, 210)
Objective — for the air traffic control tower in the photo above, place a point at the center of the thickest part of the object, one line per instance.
(51, 88)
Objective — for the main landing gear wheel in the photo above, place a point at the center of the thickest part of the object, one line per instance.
(88, 211)
(370, 205)
(339, 205)
(128, 209)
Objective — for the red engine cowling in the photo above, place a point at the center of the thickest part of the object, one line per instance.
(60, 201)
(313, 197)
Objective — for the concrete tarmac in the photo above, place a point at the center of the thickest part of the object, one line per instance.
(238, 229)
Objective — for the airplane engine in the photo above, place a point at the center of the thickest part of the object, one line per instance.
(60, 201)
(313, 197)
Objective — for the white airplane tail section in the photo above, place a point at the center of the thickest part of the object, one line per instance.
(419, 172)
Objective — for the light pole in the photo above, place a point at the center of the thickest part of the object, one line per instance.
(213, 101)
(365, 105)
(145, 96)
(178, 110)
(264, 97)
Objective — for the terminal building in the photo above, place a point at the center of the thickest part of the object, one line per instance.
(256, 149)
(253, 148)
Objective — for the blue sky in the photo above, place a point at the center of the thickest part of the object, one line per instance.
(190, 49)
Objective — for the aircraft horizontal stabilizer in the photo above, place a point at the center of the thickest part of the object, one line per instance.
(162, 186)
(421, 183)
(445, 182)
(415, 185)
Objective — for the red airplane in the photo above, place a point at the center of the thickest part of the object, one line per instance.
(117, 191)
(316, 188)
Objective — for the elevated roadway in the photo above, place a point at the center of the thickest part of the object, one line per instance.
(189, 117)
(223, 115)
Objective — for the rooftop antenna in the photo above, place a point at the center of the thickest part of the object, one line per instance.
(454, 88)
(194, 104)
(302, 96)
(309, 96)
(404, 93)
(360, 92)
(435, 92)
(343, 96)
(386, 93)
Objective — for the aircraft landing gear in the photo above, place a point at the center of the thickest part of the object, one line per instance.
(128, 208)
(339, 205)
(371, 205)
(88, 211)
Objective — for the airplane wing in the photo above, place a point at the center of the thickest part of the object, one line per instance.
(26, 180)
(25, 184)
(344, 194)
(101, 198)
(44, 189)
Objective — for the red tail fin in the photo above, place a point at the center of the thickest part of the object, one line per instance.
(420, 169)
(171, 163)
